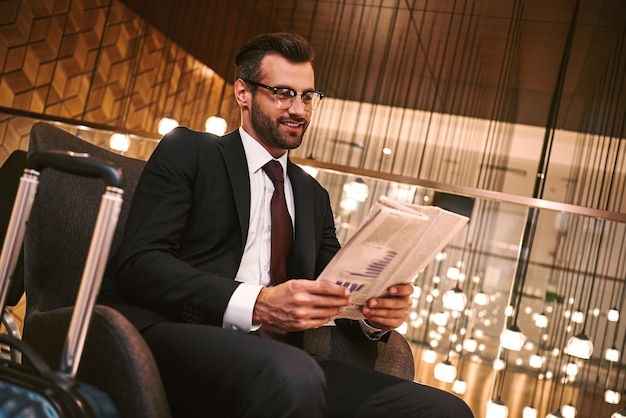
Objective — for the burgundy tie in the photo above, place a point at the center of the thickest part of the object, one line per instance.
(282, 230)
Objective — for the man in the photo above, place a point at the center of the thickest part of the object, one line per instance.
(197, 253)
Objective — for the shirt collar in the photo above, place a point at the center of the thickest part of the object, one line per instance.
(256, 155)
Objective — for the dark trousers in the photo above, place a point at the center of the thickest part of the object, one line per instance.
(213, 372)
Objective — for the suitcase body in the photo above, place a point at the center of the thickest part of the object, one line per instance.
(30, 388)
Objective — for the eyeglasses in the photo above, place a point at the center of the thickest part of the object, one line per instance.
(285, 96)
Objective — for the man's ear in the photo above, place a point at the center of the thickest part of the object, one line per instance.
(242, 94)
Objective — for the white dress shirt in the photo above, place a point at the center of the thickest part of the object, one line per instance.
(254, 271)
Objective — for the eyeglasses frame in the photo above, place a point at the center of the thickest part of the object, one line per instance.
(274, 91)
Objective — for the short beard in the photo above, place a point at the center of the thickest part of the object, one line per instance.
(269, 130)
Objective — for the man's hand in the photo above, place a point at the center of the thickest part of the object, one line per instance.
(297, 305)
(389, 312)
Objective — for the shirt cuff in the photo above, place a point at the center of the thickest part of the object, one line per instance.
(238, 313)
(371, 332)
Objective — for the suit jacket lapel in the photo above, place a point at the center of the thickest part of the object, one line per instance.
(302, 260)
(237, 167)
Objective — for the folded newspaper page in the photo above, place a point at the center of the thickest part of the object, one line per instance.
(395, 241)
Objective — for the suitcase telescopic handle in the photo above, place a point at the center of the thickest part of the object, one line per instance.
(76, 163)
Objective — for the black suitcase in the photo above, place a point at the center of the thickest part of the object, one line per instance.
(30, 388)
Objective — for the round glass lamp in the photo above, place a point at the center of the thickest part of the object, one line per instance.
(612, 354)
(445, 372)
(512, 338)
(529, 412)
(619, 414)
(580, 346)
(454, 299)
(612, 396)
(496, 409)
(568, 411)
(459, 387)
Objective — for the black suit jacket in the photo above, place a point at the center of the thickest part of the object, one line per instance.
(188, 225)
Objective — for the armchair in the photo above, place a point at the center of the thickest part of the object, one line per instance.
(116, 359)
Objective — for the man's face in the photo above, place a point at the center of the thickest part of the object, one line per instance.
(281, 129)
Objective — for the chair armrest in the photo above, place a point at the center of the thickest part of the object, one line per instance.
(331, 342)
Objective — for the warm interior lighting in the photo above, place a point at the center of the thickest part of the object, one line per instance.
(555, 414)
(512, 338)
(470, 345)
(619, 414)
(571, 369)
(166, 125)
(356, 190)
(529, 412)
(216, 125)
(429, 356)
(568, 411)
(612, 396)
(580, 346)
(613, 315)
(454, 299)
(535, 361)
(481, 299)
(445, 372)
(541, 320)
(611, 354)
(459, 387)
(496, 409)
(119, 142)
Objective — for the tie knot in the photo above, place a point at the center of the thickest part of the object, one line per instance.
(274, 171)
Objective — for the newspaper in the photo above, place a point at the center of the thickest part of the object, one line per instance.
(394, 242)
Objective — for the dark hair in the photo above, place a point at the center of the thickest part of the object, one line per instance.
(291, 46)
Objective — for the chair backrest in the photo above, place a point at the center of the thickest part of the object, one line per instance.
(115, 357)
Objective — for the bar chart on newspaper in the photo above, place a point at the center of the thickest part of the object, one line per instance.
(395, 241)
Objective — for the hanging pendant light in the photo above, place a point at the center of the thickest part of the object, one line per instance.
(459, 387)
(529, 412)
(612, 354)
(454, 299)
(612, 396)
(445, 371)
(541, 320)
(580, 346)
(555, 414)
(613, 315)
(496, 409)
(429, 356)
(619, 414)
(512, 338)
(535, 361)
(568, 411)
